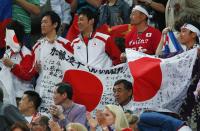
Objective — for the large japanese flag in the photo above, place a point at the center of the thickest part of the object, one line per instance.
(160, 83)
(157, 83)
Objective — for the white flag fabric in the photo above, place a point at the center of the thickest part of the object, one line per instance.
(12, 41)
(6, 83)
(160, 83)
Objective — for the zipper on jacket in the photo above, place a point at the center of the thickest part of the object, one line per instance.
(87, 52)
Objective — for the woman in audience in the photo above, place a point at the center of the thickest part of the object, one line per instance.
(111, 118)
(76, 127)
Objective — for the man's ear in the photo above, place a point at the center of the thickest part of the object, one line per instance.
(55, 25)
(64, 95)
(31, 102)
(194, 35)
(91, 21)
(130, 93)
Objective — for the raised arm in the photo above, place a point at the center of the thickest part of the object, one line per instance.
(162, 41)
(31, 8)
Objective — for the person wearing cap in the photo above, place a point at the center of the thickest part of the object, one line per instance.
(142, 37)
(189, 36)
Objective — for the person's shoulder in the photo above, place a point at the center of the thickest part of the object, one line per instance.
(25, 51)
(38, 43)
(100, 35)
(80, 106)
(7, 108)
(75, 41)
(63, 40)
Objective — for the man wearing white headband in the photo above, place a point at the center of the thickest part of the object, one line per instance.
(142, 37)
(190, 35)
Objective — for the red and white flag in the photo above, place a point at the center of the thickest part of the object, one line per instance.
(12, 41)
(160, 83)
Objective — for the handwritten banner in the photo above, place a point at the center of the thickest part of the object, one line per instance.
(94, 87)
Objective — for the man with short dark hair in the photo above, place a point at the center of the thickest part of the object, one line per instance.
(47, 56)
(9, 114)
(91, 47)
(123, 91)
(149, 121)
(69, 111)
(29, 104)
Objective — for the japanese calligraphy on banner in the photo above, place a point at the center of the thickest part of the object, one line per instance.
(92, 87)
(161, 83)
(157, 82)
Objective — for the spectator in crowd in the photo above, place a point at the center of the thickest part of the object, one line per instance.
(142, 37)
(114, 12)
(150, 120)
(63, 9)
(157, 12)
(29, 104)
(123, 91)
(21, 11)
(132, 120)
(50, 25)
(76, 7)
(94, 48)
(20, 56)
(9, 114)
(189, 36)
(111, 118)
(19, 126)
(175, 9)
(65, 110)
(41, 123)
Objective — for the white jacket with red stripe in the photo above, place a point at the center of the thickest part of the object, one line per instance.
(41, 52)
(99, 52)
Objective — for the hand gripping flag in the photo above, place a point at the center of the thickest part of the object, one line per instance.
(12, 41)
(171, 44)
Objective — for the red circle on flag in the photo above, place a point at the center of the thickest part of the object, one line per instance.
(147, 78)
(15, 39)
(87, 88)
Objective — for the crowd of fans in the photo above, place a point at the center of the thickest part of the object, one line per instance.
(96, 33)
